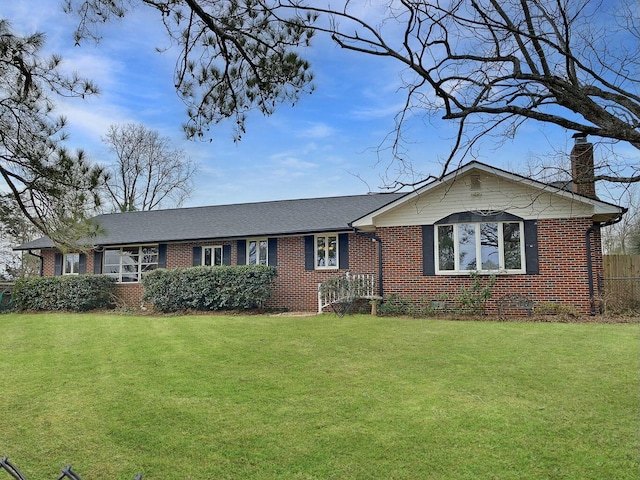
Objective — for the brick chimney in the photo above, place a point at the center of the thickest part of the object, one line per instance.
(582, 166)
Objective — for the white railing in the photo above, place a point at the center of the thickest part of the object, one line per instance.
(345, 288)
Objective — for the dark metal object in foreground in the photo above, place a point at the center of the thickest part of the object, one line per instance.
(12, 470)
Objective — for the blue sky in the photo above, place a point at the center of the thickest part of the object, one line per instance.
(324, 146)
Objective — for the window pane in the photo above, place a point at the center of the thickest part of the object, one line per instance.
(321, 254)
(512, 249)
(112, 257)
(133, 252)
(129, 262)
(148, 268)
(252, 253)
(446, 258)
(217, 260)
(467, 245)
(332, 252)
(129, 278)
(207, 256)
(489, 246)
(149, 255)
(68, 263)
(130, 268)
(263, 252)
(112, 270)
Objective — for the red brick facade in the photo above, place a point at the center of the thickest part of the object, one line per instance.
(562, 278)
(562, 274)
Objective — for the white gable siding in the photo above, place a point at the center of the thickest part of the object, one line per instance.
(481, 191)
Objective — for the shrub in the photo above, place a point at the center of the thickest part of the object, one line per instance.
(554, 308)
(473, 300)
(394, 305)
(209, 288)
(77, 293)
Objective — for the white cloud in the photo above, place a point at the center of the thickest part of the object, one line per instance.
(317, 130)
(291, 162)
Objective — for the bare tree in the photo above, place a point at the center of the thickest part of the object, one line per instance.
(487, 65)
(15, 229)
(148, 173)
(491, 65)
(624, 237)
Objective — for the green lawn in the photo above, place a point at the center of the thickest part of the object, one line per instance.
(359, 397)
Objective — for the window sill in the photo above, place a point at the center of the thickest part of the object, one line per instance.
(480, 273)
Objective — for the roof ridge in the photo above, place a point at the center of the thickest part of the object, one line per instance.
(265, 202)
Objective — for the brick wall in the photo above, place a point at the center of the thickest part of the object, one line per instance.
(48, 257)
(563, 267)
(296, 289)
(562, 256)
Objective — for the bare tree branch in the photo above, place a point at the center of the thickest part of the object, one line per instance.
(487, 65)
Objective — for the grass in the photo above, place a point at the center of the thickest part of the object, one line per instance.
(201, 397)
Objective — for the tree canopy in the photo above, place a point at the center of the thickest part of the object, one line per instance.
(487, 65)
(52, 187)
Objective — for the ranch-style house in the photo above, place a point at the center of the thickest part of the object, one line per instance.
(540, 241)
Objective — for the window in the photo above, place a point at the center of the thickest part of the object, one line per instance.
(258, 252)
(212, 256)
(480, 246)
(326, 251)
(129, 264)
(71, 264)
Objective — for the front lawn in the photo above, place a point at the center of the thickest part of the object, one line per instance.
(203, 397)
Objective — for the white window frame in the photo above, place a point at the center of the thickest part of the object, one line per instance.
(317, 257)
(140, 267)
(213, 249)
(258, 260)
(74, 261)
(456, 242)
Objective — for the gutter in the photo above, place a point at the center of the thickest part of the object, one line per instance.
(41, 268)
(373, 237)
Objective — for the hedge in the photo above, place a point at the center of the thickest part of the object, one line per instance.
(76, 293)
(234, 287)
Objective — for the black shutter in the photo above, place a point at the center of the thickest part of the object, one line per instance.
(197, 256)
(82, 263)
(343, 251)
(242, 252)
(97, 263)
(308, 252)
(272, 252)
(57, 264)
(226, 254)
(428, 251)
(162, 255)
(531, 247)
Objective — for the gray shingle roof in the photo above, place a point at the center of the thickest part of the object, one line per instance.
(283, 217)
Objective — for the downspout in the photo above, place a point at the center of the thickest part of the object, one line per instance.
(375, 238)
(41, 268)
(590, 230)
